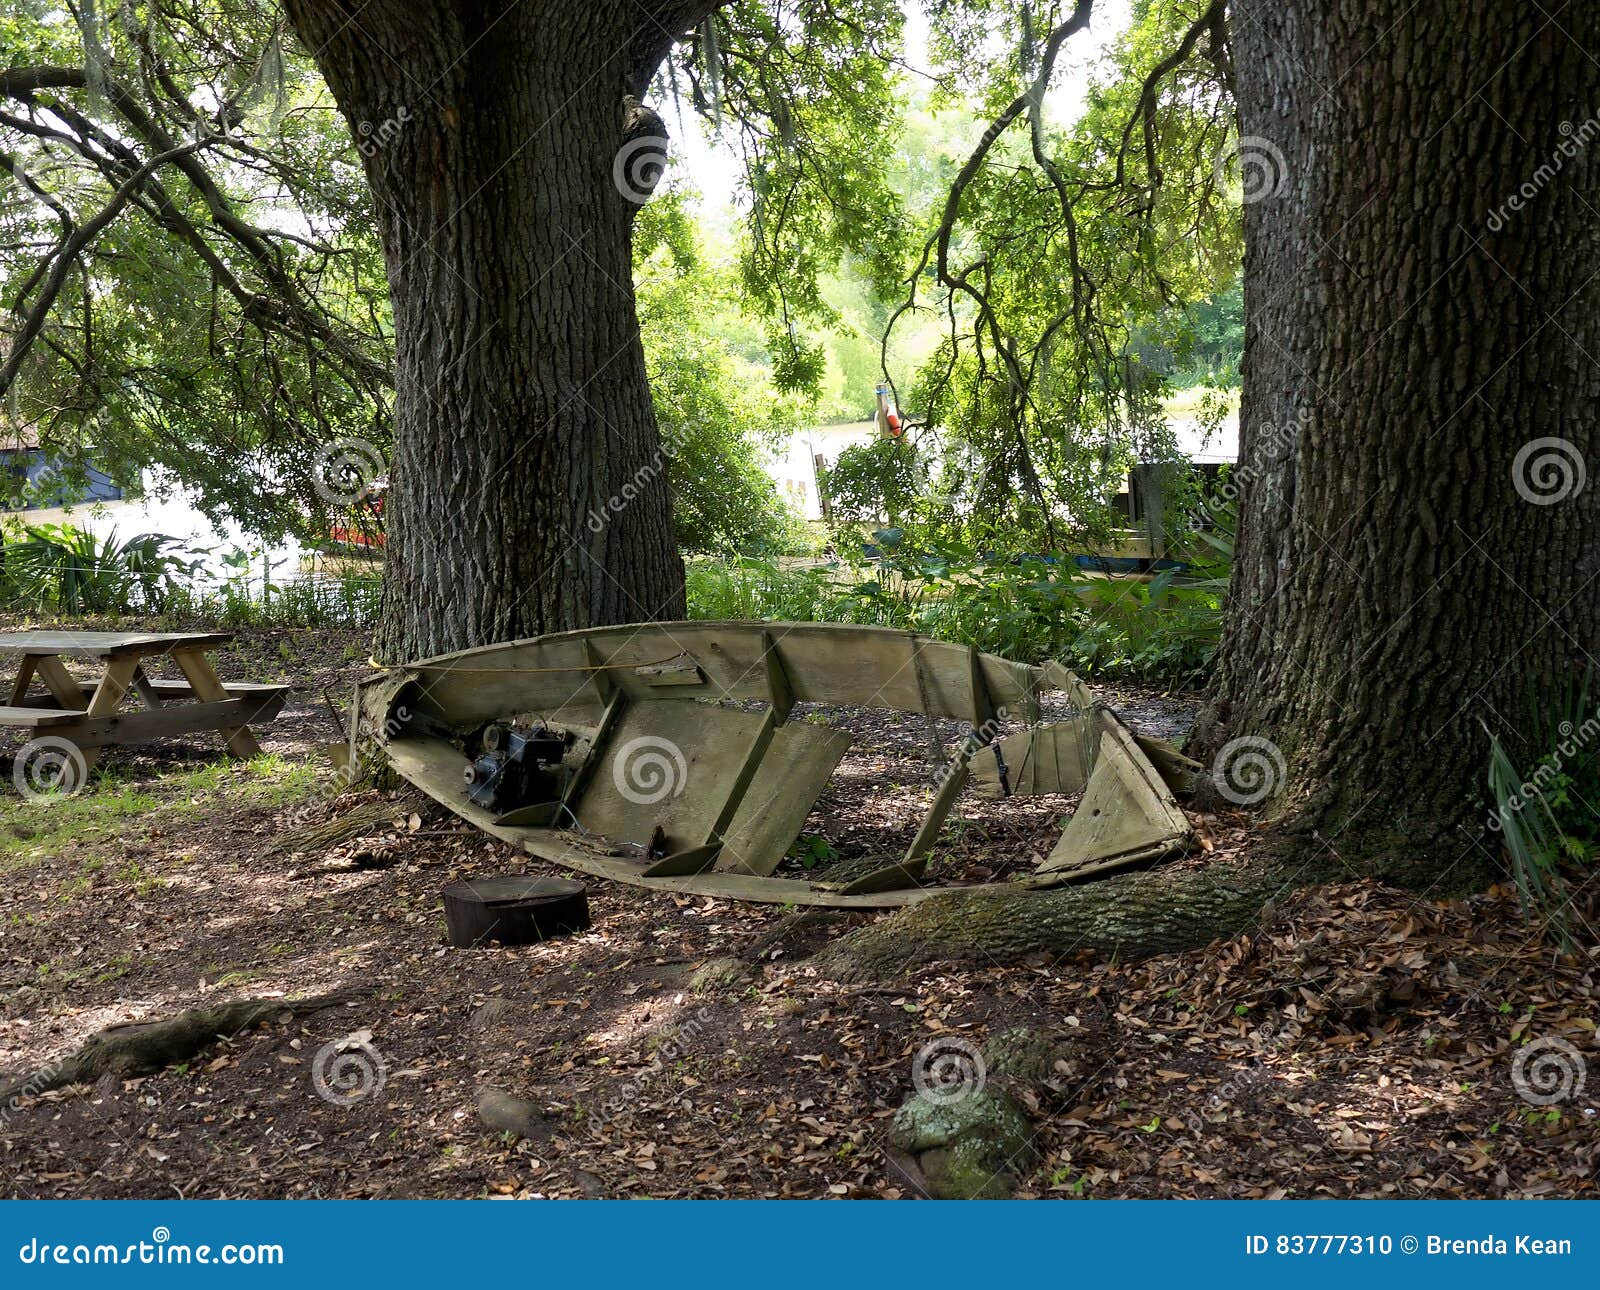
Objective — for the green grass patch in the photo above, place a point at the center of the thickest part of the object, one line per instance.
(112, 807)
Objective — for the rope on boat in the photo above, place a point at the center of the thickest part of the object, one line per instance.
(372, 661)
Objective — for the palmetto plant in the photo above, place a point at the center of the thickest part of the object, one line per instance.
(73, 571)
(1551, 816)
(1532, 843)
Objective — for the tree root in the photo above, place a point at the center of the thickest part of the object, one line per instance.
(133, 1048)
(1160, 911)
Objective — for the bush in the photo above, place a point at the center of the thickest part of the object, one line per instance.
(62, 569)
(1028, 608)
(1550, 817)
(347, 599)
(68, 570)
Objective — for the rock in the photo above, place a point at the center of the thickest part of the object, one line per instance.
(974, 1140)
(1047, 1060)
(970, 1147)
(493, 1013)
(720, 974)
(507, 1114)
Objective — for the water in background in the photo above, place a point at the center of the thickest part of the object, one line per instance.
(166, 508)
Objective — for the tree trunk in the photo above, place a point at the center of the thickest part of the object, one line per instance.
(526, 487)
(1420, 387)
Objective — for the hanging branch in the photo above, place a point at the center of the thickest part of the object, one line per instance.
(1011, 369)
(66, 255)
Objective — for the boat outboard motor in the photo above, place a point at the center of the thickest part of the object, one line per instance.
(517, 768)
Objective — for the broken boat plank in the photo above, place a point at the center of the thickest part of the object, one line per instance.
(1127, 814)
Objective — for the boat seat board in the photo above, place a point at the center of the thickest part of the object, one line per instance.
(670, 765)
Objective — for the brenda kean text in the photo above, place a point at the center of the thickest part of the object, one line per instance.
(1306, 1243)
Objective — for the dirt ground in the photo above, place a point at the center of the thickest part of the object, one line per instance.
(1361, 1043)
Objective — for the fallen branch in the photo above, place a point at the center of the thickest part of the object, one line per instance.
(133, 1048)
(324, 835)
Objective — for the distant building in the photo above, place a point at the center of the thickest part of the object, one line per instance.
(797, 470)
(1143, 543)
(33, 479)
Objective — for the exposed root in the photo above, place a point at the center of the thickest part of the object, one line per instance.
(1161, 911)
(133, 1048)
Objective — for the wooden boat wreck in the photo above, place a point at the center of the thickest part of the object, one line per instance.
(664, 754)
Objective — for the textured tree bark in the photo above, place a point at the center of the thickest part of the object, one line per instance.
(526, 490)
(1409, 332)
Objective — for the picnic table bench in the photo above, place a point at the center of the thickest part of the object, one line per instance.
(91, 714)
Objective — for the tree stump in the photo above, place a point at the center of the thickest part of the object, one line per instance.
(516, 909)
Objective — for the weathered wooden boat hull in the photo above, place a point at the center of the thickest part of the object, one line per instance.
(668, 760)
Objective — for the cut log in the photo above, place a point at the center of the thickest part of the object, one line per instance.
(517, 909)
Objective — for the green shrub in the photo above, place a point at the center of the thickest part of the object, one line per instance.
(346, 599)
(1550, 817)
(1028, 608)
(68, 570)
(755, 588)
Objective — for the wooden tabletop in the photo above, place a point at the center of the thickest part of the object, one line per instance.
(106, 644)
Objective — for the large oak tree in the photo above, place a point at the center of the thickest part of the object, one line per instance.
(1417, 547)
(1417, 551)
(522, 405)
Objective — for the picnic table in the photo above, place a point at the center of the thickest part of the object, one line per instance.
(91, 713)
